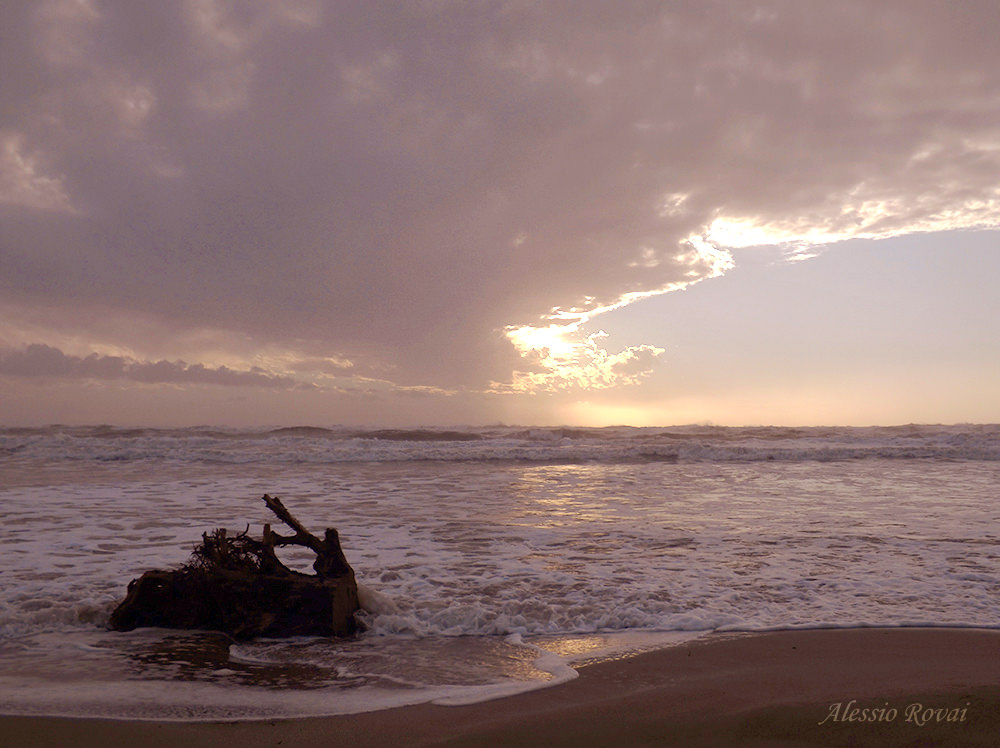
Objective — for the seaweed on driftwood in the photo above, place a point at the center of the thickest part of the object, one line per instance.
(237, 584)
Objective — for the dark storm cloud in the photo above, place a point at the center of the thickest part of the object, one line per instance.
(397, 183)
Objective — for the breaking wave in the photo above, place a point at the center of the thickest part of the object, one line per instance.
(311, 444)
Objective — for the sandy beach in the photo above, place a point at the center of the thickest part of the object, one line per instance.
(858, 687)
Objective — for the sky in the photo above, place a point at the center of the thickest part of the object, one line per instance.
(444, 212)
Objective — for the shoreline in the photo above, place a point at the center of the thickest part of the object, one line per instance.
(807, 687)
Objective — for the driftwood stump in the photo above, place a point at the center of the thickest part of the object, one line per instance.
(237, 584)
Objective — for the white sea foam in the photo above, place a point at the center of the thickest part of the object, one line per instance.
(485, 556)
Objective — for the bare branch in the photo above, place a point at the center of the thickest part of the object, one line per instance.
(330, 559)
(302, 536)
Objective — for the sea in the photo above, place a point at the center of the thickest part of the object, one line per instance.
(491, 560)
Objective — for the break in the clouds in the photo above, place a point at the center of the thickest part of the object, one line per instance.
(450, 195)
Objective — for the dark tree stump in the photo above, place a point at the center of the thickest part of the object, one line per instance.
(236, 584)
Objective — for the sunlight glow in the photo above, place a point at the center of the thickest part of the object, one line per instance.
(566, 357)
(863, 212)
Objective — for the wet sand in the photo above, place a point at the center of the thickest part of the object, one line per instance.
(857, 687)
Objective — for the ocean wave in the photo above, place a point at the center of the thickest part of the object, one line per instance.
(338, 444)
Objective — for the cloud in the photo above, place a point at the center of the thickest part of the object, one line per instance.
(428, 190)
(39, 360)
(23, 182)
(563, 363)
